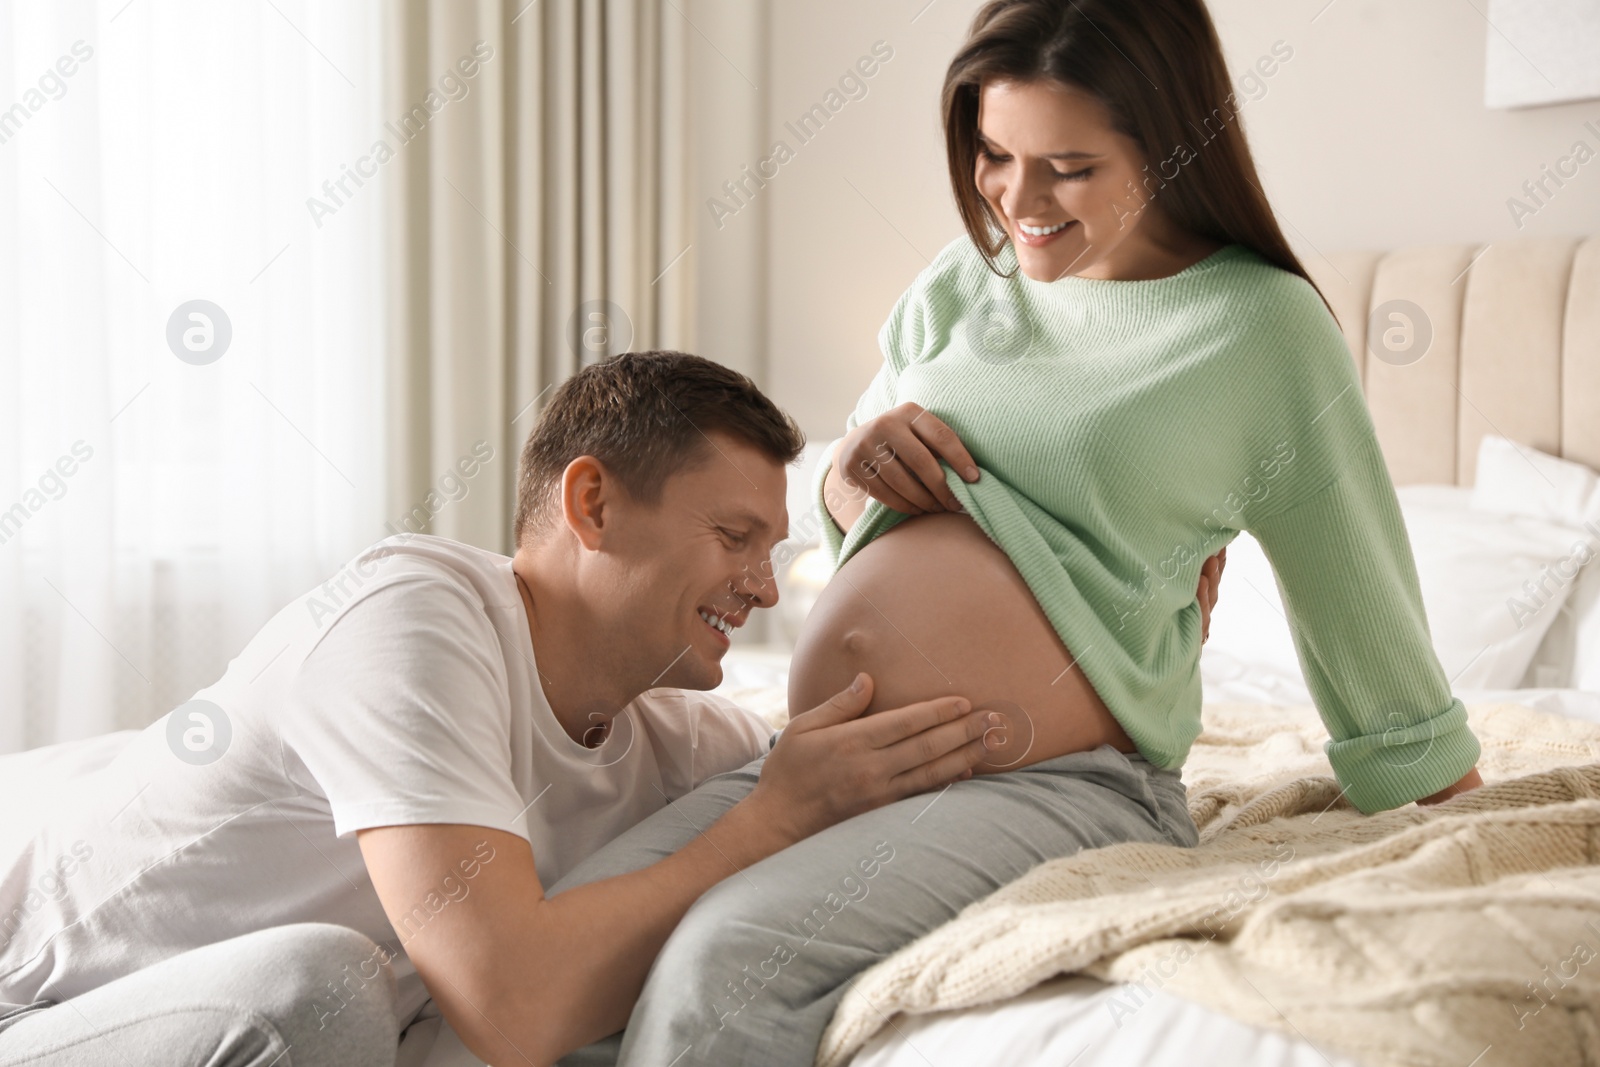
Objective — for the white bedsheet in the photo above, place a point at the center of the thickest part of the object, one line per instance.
(1084, 1022)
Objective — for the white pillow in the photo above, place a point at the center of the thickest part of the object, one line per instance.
(1515, 479)
(1471, 565)
(1489, 585)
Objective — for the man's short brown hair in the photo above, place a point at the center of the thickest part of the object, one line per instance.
(645, 415)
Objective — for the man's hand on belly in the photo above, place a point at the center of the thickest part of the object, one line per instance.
(524, 977)
(831, 763)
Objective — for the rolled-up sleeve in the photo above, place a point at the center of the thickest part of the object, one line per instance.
(1349, 583)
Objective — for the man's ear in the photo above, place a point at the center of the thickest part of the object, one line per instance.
(587, 491)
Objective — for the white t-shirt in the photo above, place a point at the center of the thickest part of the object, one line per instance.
(401, 691)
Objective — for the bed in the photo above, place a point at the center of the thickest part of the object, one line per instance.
(1483, 377)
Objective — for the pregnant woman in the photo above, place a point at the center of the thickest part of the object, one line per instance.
(1116, 369)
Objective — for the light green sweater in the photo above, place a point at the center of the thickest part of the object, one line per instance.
(1127, 430)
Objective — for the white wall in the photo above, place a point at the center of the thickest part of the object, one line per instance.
(727, 117)
(1372, 135)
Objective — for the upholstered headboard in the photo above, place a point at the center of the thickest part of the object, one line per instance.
(1467, 340)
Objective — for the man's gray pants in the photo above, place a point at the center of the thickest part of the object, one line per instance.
(753, 973)
(282, 996)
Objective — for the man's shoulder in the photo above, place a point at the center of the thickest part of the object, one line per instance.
(399, 611)
(429, 556)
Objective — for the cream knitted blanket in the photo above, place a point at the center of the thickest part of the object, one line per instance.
(1463, 933)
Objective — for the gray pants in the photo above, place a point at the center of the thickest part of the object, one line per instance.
(753, 973)
(263, 998)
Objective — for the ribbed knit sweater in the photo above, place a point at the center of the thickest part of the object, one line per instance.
(1127, 430)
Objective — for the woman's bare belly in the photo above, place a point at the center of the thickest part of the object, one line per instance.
(934, 608)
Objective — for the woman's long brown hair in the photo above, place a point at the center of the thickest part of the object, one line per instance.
(1157, 67)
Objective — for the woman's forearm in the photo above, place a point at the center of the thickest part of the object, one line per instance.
(844, 504)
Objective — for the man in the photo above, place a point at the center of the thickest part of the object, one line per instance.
(362, 813)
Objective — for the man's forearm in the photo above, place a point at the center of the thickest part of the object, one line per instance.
(608, 934)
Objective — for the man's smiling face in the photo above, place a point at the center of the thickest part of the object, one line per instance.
(704, 550)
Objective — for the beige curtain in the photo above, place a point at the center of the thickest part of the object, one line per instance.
(539, 219)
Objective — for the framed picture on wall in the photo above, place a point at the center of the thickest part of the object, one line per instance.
(1541, 52)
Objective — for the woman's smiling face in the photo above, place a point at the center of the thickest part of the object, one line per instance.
(1048, 157)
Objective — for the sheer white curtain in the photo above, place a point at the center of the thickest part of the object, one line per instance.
(156, 510)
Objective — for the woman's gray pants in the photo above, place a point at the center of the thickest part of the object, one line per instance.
(288, 996)
(751, 976)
